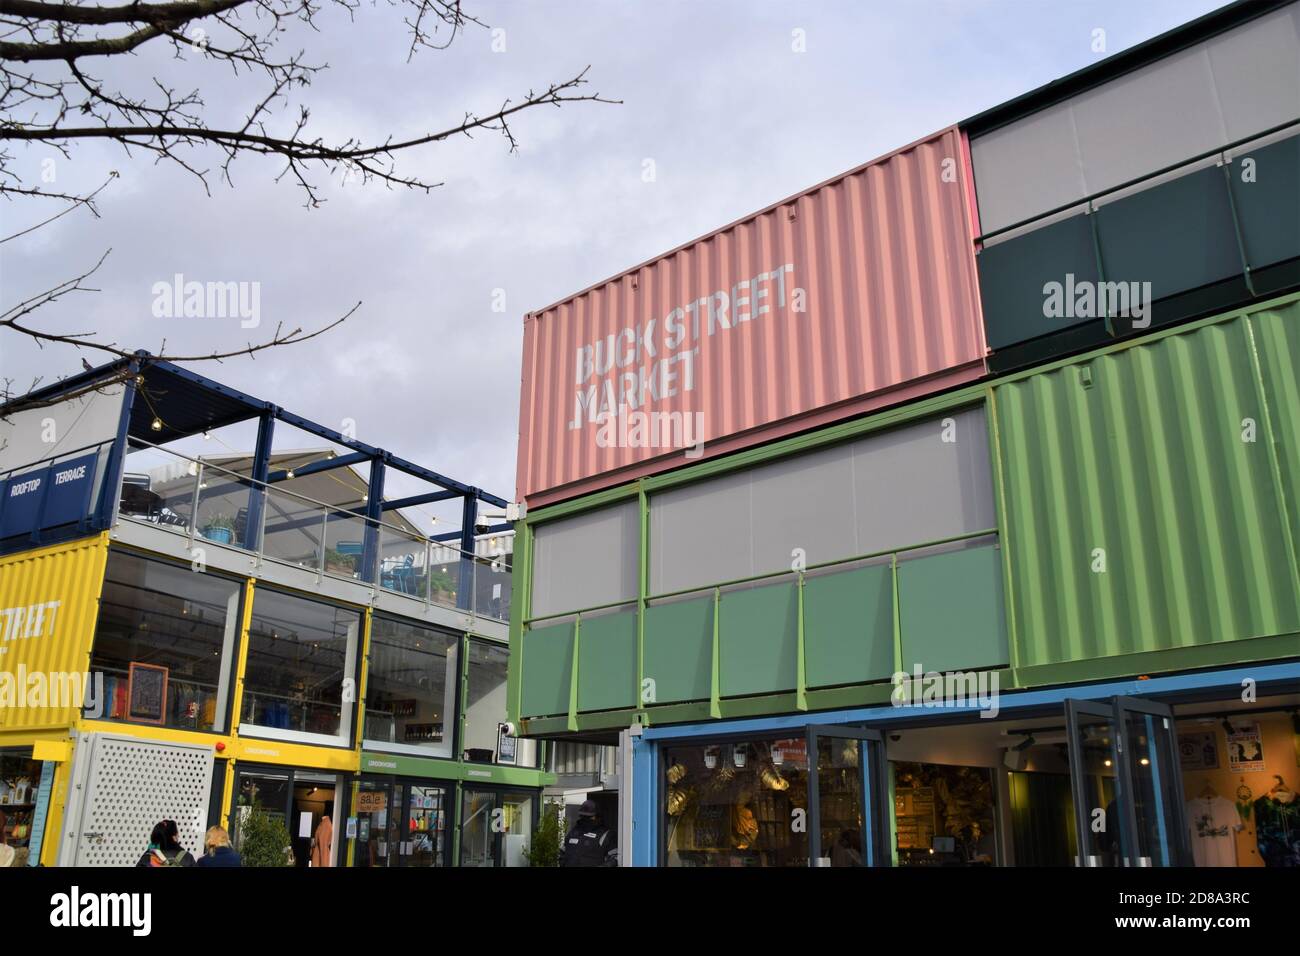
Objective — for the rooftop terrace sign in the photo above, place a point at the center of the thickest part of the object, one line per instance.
(47, 497)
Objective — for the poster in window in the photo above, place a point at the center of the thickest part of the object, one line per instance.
(1245, 750)
(507, 746)
(146, 693)
(1198, 751)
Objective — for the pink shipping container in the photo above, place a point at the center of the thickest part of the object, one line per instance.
(854, 295)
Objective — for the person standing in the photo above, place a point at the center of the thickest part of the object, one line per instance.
(165, 847)
(219, 852)
(590, 842)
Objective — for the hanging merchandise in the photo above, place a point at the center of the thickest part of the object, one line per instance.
(1277, 826)
(1245, 801)
(1212, 825)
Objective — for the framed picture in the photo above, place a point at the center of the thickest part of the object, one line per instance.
(507, 747)
(1198, 751)
(146, 693)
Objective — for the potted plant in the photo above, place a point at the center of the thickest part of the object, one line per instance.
(340, 563)
(220, 528)
(443, 587)
(263, 839)
(548, 839)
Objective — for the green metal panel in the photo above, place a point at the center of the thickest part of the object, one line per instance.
(758, 637)
(1013, 272)
(1276, 340)
(950, 610)
(607, 662)
(1177, 236)
(1266, 190)
(849, 626)
(548, 652)
(1145, 470)
(679, 650)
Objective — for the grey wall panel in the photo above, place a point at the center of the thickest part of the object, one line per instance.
(912, 486)
(700, 534)
(586, 560)
(806, 503)
(1248, 64)
(1164, 113)
(1026, 168)
(892, 489)
(1224, 89)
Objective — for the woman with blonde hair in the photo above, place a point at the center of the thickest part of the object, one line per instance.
(217, 850)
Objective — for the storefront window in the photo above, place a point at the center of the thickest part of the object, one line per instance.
(399, 824)
(944, 815)
(485, 710)
(496, 827)
(411, 688)
(732, 803)
(24, 801)
(299, 683)
(164, 641)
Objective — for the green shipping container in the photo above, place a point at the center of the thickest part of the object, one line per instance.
(1150, 493)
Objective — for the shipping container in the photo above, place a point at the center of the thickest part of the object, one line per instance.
(1157, 186)
(49, 600)
(1133, 510)
(856, 294)
(1152, 493)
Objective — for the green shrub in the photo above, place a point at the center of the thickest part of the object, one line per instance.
(263, 840)
(548, 840)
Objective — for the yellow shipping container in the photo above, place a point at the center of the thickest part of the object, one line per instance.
(49, 600)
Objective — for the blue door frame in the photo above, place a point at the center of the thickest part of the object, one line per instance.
(646, 748)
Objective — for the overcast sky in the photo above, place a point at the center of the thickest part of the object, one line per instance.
(732, 116)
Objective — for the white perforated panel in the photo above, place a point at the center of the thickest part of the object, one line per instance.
(133, 784)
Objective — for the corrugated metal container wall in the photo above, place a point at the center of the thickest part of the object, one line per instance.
(856, 294)
(49, 601)
(1144, 502)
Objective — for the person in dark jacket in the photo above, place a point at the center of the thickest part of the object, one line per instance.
(165, 847)
(217, 849)
(590, 842)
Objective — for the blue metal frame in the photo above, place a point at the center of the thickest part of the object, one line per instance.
(268, 413)
(646, 748)
(261, 467)
(325, 464)
(468, 515)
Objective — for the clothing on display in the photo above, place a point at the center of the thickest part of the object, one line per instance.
(1212, 824)
(1277, 826)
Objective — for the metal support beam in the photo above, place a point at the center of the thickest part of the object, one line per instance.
(261, 466)
(370, 554)
(325, 464)
(111, 489)
(425, 499)
(465, 580)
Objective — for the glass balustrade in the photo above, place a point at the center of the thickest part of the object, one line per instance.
(196, 498)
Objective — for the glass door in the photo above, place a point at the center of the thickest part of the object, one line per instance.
(1154, 814)
(848, 794)
(1094, 780)
(496, 827)
(1126, 783)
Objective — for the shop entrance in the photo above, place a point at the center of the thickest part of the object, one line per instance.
(399, 823)
(303, 801)
(1126, 783)
(848, 792)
